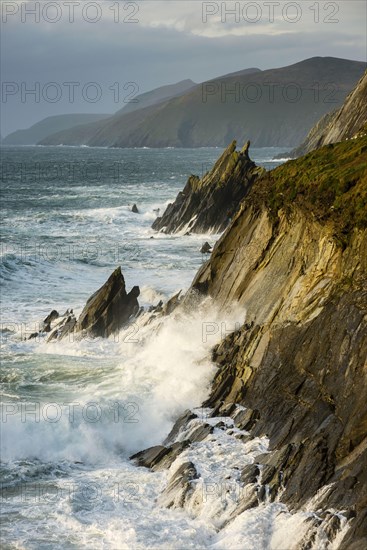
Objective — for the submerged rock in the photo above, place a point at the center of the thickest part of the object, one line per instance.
(45, 326)
(209, 204)
(156, 309)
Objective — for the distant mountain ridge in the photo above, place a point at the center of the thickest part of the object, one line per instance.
(276, 107)
(158, 95)
(50, 125)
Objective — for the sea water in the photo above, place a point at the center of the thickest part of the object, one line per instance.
(74, 411)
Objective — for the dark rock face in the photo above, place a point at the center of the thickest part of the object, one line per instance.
(179, 425)
(310, 394)
(208, 204)
(110, 308)
(171, 304)
(299, 366)
(206, 248)
(159, 457)
(46, 324)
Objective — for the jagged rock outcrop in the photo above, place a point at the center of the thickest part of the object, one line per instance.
(208, 204)
(275, 107)
(110, 308)
(295, 259)
(344, 123)
(105, 313)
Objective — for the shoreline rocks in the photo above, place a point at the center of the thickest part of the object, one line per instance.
(207, 205)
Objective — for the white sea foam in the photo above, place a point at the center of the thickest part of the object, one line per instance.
(157, 372)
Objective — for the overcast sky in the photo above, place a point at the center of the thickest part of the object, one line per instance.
(154, 42)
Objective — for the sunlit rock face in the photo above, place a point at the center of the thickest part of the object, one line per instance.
(294, 372)
(208, 204)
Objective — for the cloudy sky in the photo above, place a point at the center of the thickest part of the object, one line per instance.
(59, 48)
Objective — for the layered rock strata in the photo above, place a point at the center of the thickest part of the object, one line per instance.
(207, 205)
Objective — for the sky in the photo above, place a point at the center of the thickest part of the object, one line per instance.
(91, 57)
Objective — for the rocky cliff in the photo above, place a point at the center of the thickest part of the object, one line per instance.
(344, 123)
(208, 204)
(294, 260)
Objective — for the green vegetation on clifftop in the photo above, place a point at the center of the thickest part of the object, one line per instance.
(330, 183)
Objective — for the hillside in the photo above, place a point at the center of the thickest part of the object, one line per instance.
(157, 96)
(276, 107)
(341, 124)
(50, 125)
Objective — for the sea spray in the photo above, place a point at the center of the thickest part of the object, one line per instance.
(155, 372)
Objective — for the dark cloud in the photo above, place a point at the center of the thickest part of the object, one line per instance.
(166, 46)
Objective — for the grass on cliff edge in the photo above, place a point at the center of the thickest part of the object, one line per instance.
(331, 183)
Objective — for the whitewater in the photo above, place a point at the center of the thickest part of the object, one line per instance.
(73, 412)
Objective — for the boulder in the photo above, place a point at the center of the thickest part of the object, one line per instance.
(135, 209)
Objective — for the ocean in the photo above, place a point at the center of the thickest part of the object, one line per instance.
(74, 411)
